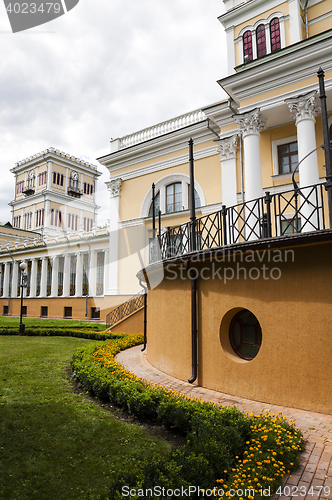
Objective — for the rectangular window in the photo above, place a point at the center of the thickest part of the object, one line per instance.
(43, 311)
(49, 277)
(73, 263)
(68, 312)
(24, 310)
(287, 157)
(174, 197)
(95, 312)
(29, 277)
(85, 274)
(5, 311)
(100, 273)
(2, 278)
(60, 275)
(290, 226)
(39, 270)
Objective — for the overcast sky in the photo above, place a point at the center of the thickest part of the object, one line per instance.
(105, 69)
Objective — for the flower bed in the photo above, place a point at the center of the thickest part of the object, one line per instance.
(229, 453)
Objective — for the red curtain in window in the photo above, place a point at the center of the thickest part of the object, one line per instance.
(275, 35)
(261, 41)
(247, 46)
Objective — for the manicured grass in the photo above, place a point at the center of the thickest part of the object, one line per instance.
(45, 322)
(55, 444)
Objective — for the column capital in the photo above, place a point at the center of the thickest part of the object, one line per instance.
(227, 147)
(114, 187)
(250, 123)
(303, 107)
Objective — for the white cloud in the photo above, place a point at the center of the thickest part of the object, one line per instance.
(103, 70)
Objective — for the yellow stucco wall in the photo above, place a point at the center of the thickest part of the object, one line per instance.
(294, 364)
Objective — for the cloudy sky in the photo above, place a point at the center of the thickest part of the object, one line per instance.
(105, 69)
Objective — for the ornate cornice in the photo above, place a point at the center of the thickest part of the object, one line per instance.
(303, 107)
(227, 147)
(114, 187)
(250, 123)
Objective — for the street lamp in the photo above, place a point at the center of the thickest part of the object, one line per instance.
(24, 280)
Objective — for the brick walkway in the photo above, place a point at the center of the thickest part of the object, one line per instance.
(316, 460)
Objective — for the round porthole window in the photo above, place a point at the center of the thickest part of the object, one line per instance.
(245, 334)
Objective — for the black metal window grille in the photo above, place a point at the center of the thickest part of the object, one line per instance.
(125, 309)
(260, 40)
(245, 334)
(100, 272)
(49, 277)
(60, 275)
(287, 157)
(247, 46)
(73, 264)
(275, 35)
(38, 277)
(85, 274)
(174, 197)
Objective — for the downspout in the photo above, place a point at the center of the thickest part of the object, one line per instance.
(145, 288)
(193, 327)
(306, 19)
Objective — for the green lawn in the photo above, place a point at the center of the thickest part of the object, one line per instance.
(55, 444)
(44, 322)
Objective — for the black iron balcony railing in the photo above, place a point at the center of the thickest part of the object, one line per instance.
(123, 310)
(73, 189)
(295, 211)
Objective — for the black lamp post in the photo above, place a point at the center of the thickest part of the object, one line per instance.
(24, 280)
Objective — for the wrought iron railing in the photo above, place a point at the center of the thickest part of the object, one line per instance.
(123, 310)
(273, 215)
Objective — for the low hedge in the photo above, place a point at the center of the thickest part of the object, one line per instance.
(225, 448)
(32, 331)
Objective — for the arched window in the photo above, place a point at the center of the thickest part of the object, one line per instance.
(174, 197)
(261, 41)
(275, 35)
(247, 46)
(197, 198)
(156, 205)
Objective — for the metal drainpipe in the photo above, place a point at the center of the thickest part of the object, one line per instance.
(144, 286)
(306, 19)
(193, 327)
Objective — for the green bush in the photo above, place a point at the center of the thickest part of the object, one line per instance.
(64, 331)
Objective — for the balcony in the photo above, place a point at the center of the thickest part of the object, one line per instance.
(29, 187)
(292, 214)
(73, 189)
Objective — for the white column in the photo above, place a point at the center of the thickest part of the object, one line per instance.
(250, 125)
(185, 195)
(163, 199)
(106, 272)
(79, 275)
(113, 286)
(47, 214)
(66, 276)
(304, 108)
(227, 149)
(55, 270)
(6, 280)
(93, 274)
(15, 272)
(43, 281)
(33, 278)
(49, 174)
(295, 21)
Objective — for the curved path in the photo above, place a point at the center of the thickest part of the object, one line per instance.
(315, 474)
